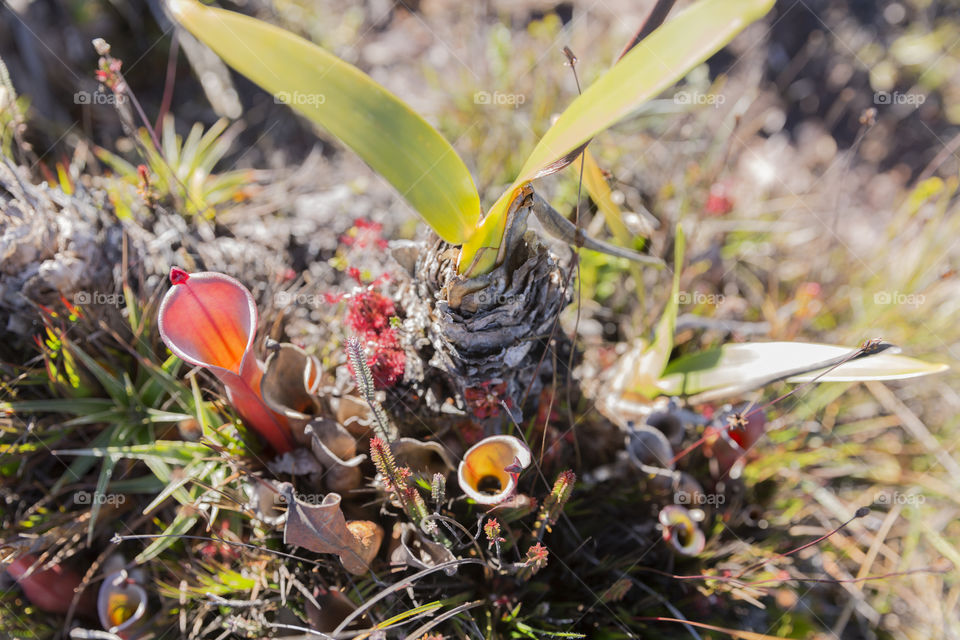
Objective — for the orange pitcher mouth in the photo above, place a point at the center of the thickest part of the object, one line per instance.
(210, 320)
(489, 469)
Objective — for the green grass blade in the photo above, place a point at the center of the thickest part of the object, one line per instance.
(99, 495)
(114, 414)
(170, 142)
(171, 451)
(188, 152)
(213, 146)
(395, 141)
(113, 385)
(410, 613)
(79, 406)
(161, 379)
(156, 415)
(205, 428)
(659, 61)
(81, 465)
(149, 485)
(175, 488)
(180, 526)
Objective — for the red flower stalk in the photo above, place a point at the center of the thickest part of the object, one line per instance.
(536, 559)
(396, 480)
(384, 462)
(537, 555)
(492, 531)
(562, 490)
(210, 320)
(554, 503)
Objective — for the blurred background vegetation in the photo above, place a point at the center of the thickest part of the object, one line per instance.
(814, 164)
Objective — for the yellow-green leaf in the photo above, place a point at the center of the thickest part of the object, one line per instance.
(735, 368)
(598, 189)
(659, 61)
(654, 359)
(378, 126)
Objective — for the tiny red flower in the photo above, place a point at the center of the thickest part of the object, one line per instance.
(537, 557)
(719, 201)
(492, 531)
(485, 399)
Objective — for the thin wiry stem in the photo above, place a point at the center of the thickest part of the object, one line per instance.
(422, 630)
(402, 584)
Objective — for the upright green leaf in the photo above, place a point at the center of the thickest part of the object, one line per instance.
(378, 126)
(659, 61)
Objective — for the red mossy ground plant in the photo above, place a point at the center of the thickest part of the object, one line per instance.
(371, 315)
